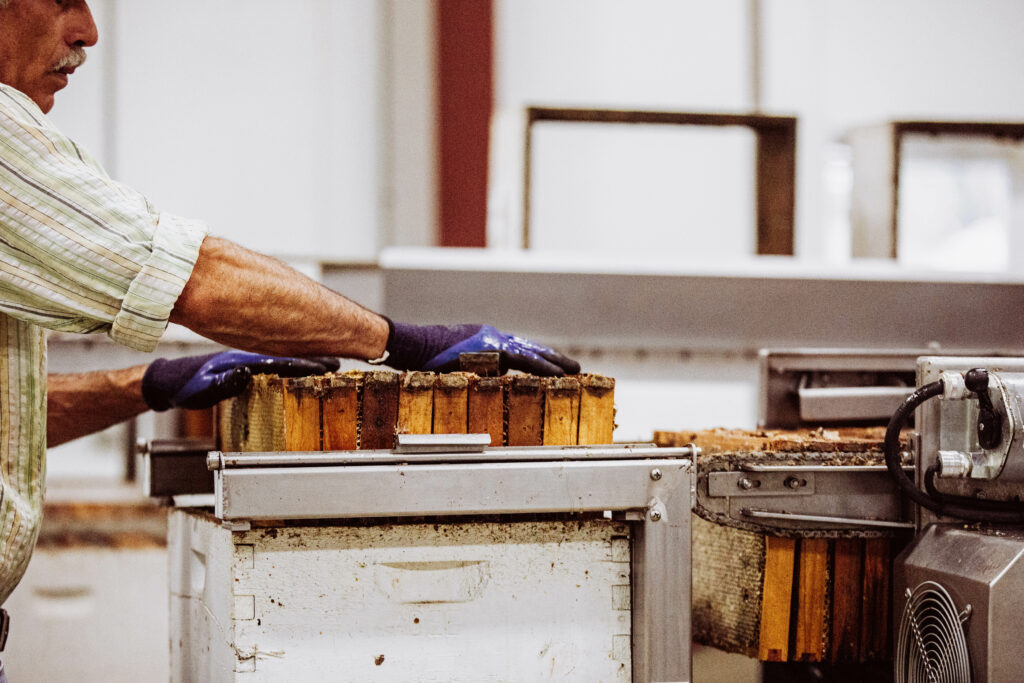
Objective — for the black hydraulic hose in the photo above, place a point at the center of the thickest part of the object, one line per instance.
(893, 461)
(895, 466)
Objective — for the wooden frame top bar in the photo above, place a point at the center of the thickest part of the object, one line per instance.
(877, 157)
(755, 121)
(992, 129)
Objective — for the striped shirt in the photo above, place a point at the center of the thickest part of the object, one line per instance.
(79, 252)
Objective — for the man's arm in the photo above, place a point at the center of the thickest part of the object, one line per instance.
(83, 403)
(249, 301)
(254, 302)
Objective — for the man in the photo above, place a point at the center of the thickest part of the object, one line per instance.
(81, 253)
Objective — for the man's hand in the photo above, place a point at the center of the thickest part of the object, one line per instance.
(437, 348)
(203, 381)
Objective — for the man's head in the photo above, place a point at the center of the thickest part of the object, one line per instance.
(41, 43)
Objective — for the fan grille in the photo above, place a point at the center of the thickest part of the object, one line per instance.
(931, 646)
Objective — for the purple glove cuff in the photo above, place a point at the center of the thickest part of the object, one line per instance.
(410, 347)
(163, 379)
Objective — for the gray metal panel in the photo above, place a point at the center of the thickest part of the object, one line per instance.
(448, 489)
(826, 498)
(783, 373)
(176, 466)
(830, 404)
(984, 570)
(661, 555)
(712, 311)
(929, 416)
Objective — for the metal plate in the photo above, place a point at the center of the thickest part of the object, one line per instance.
(445, 489)
(833, 498)
(724, 484)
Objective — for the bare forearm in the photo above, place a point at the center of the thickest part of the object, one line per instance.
(83, 403)
(238, 298)
(252, 302)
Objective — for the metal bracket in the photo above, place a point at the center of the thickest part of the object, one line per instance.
(441, 443)
(806, 497)
(725, 484)
(825, 519)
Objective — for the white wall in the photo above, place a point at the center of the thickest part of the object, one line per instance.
(674, 190)
(661, 54)
(302, 129)
(176, 100)
(613, 187)
(845, 63)
(833, 63)
(83, 109)
(410, 196)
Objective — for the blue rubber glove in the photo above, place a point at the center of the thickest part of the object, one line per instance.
(437, 348)
(203, 381)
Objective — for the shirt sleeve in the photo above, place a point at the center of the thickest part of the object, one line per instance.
(80, 252)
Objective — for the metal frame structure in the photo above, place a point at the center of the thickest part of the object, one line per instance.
(812, 387)
(977, 567)
(650, 487)
(788, 497)
(929, 417)
(864, 305)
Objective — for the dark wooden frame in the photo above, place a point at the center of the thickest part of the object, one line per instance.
(775, 162)
(877, 152)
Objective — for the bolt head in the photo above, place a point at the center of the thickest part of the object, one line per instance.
(745, 484)
(655, 474)
(655, 515)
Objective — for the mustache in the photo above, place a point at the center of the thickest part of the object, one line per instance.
(72, 60)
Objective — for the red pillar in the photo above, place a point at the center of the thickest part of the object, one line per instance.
(465, 40)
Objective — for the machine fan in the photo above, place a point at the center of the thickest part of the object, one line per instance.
(931, 646)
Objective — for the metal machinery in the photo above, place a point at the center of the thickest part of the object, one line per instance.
(438, 478)
(959, 585)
